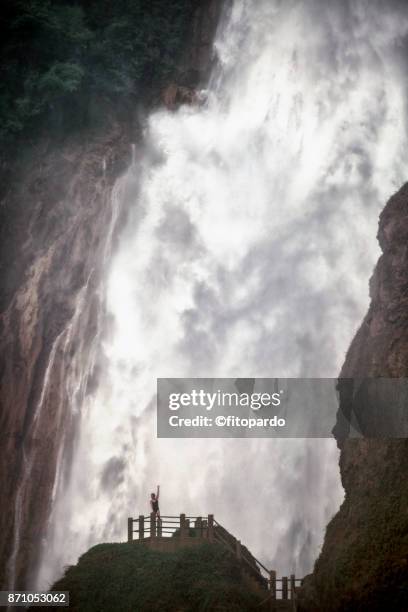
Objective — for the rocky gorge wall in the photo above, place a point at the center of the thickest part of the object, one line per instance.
(60, 207)
(59, 217)
(364, 561)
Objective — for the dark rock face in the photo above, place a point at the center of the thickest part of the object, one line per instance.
(176, 95)
(199, 58)
(59, 210)
(57, 226)
(380, 347)
(364, 561)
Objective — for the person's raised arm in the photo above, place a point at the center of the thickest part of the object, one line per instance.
(158, 491)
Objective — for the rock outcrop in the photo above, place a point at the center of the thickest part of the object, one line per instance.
(364, 561)
(176, 95)
(198, 59)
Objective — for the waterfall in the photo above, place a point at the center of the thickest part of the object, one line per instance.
(247, 252)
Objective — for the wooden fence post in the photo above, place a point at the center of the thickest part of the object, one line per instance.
(211, 527)
(152, 525)
(141, 526)
(272, 587)
(292, 586)
(182, 525)
(159, 527)
(130, 529)
(198, 526)
(284, 587)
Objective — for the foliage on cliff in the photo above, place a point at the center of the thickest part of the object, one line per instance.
(59, 56)
(130, 577)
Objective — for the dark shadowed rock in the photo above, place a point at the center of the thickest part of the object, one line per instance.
(364, 561)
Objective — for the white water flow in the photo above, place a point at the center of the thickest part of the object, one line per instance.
(249, 246)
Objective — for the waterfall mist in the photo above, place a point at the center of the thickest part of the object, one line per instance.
(247, 252)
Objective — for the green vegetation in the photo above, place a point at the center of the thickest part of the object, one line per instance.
(58, 57)
(130, 577)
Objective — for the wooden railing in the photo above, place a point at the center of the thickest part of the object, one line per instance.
(208, 528)
(169, 526)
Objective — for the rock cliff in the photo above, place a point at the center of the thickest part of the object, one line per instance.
(58, 218)
(58, 209)
(364, 561)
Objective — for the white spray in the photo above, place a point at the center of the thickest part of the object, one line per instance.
(248, 250)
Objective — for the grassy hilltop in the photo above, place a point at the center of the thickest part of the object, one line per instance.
(132, 578)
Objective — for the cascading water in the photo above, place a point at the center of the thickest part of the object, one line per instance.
(249, 245)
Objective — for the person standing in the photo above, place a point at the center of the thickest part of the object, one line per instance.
(154, 503)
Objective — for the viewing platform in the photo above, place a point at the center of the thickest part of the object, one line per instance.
(170, 533)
